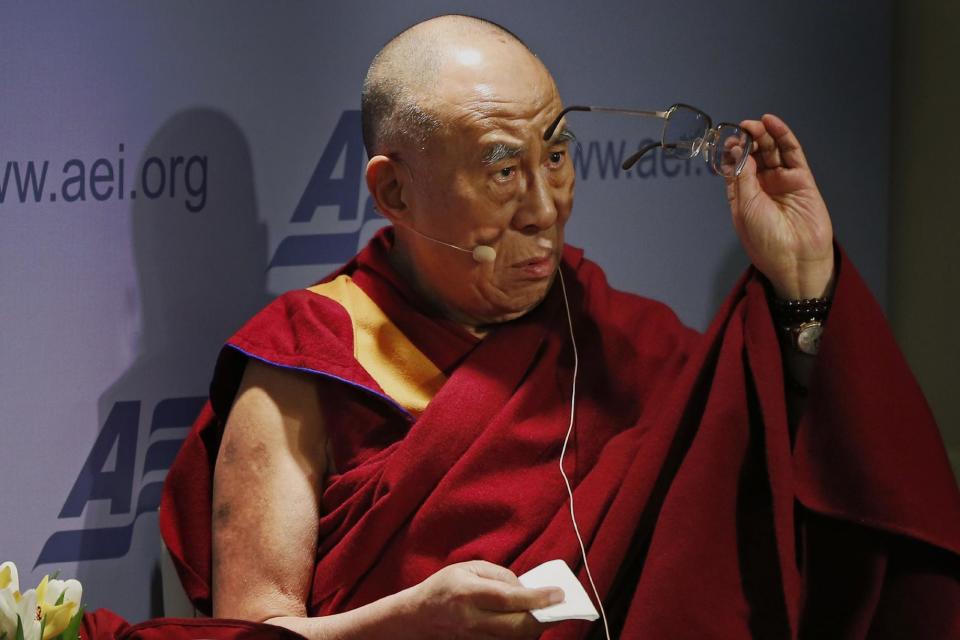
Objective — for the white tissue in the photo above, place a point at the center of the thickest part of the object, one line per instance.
(556, 573)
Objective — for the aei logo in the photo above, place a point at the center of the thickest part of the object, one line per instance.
(335, 200)
(108, 474)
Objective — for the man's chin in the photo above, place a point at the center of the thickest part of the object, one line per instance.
(516, 310)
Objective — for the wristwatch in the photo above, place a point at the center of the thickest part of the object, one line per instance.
(805, 337)
(802, 321)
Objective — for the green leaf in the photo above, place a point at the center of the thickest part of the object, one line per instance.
(4, 636)
(19, 628)
(55, 575)
(72, 632)
(60, 599)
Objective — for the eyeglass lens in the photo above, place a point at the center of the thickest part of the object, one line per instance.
(683, 131)
(688, 132)
(727, 149)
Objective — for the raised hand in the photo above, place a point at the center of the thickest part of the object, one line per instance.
(779, 214)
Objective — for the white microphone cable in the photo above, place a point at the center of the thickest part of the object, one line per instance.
(481, 253)
(563, 451)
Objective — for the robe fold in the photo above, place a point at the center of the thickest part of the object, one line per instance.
(103, 624)
(703, 513)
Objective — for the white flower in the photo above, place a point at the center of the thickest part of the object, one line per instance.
(9, 594)
(36, 605)
(26, 607)
(57, 615)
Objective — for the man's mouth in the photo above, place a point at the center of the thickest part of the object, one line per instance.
(541, 266)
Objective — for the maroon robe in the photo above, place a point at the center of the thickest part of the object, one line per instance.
(702, 513)
(103, 624)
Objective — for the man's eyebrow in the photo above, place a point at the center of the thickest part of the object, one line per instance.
(498, 152)
(561, 136)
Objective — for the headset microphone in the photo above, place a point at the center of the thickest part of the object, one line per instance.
(481, 253)
(484, 253)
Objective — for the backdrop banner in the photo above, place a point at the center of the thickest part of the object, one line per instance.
(166, 168)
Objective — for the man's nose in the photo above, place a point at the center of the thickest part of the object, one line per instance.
(539, 210)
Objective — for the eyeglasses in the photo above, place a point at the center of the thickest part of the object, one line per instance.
(687, 133)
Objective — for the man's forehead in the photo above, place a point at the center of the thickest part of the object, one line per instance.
(492, 98)
(492, 115)
(492, 83)
(483, 114)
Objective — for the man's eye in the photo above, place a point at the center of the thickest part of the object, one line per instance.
(556, 157)
(506, 173)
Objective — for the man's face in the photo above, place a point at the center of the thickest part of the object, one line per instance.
(488, 177)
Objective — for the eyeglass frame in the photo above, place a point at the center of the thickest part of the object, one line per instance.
(665, 116)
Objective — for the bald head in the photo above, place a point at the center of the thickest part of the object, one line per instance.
(394, 108)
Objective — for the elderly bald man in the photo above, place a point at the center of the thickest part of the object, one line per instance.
(386, 442)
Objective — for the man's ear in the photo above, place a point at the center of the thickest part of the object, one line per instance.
(390, 187)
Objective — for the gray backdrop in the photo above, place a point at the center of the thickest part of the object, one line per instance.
(203, 157)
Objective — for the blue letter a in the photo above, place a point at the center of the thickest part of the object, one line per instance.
(94, 483)
(325, 190)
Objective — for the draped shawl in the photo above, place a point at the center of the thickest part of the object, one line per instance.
(703, 511)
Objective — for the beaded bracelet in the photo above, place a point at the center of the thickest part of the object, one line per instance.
(795, 312)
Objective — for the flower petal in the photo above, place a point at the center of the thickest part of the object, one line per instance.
(9, 579)
(73, 590)
(42, 589)
(52, 593)
(8, 613)
(57, 618)
(27, 609)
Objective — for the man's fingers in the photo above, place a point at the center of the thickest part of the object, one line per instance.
(775, 145)
(493, 596)
(499, 589)
(790, 149)
(767, 151)
(744, 187)
(764, 146)
(485, 569)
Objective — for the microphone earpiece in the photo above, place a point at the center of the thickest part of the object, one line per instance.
(484, 253)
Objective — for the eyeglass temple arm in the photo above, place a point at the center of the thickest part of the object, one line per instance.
(630, 112)
(632, 160)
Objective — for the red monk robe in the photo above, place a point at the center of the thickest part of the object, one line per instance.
(103, 624)
(703, 515)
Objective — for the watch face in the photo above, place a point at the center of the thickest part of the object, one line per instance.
(808, 338)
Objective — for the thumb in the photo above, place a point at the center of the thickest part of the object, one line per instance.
(743, 188)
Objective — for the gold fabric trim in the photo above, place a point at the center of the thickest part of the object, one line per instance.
(401, 370)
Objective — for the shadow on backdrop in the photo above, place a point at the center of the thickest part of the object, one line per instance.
(200, 252)
(726, 274)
